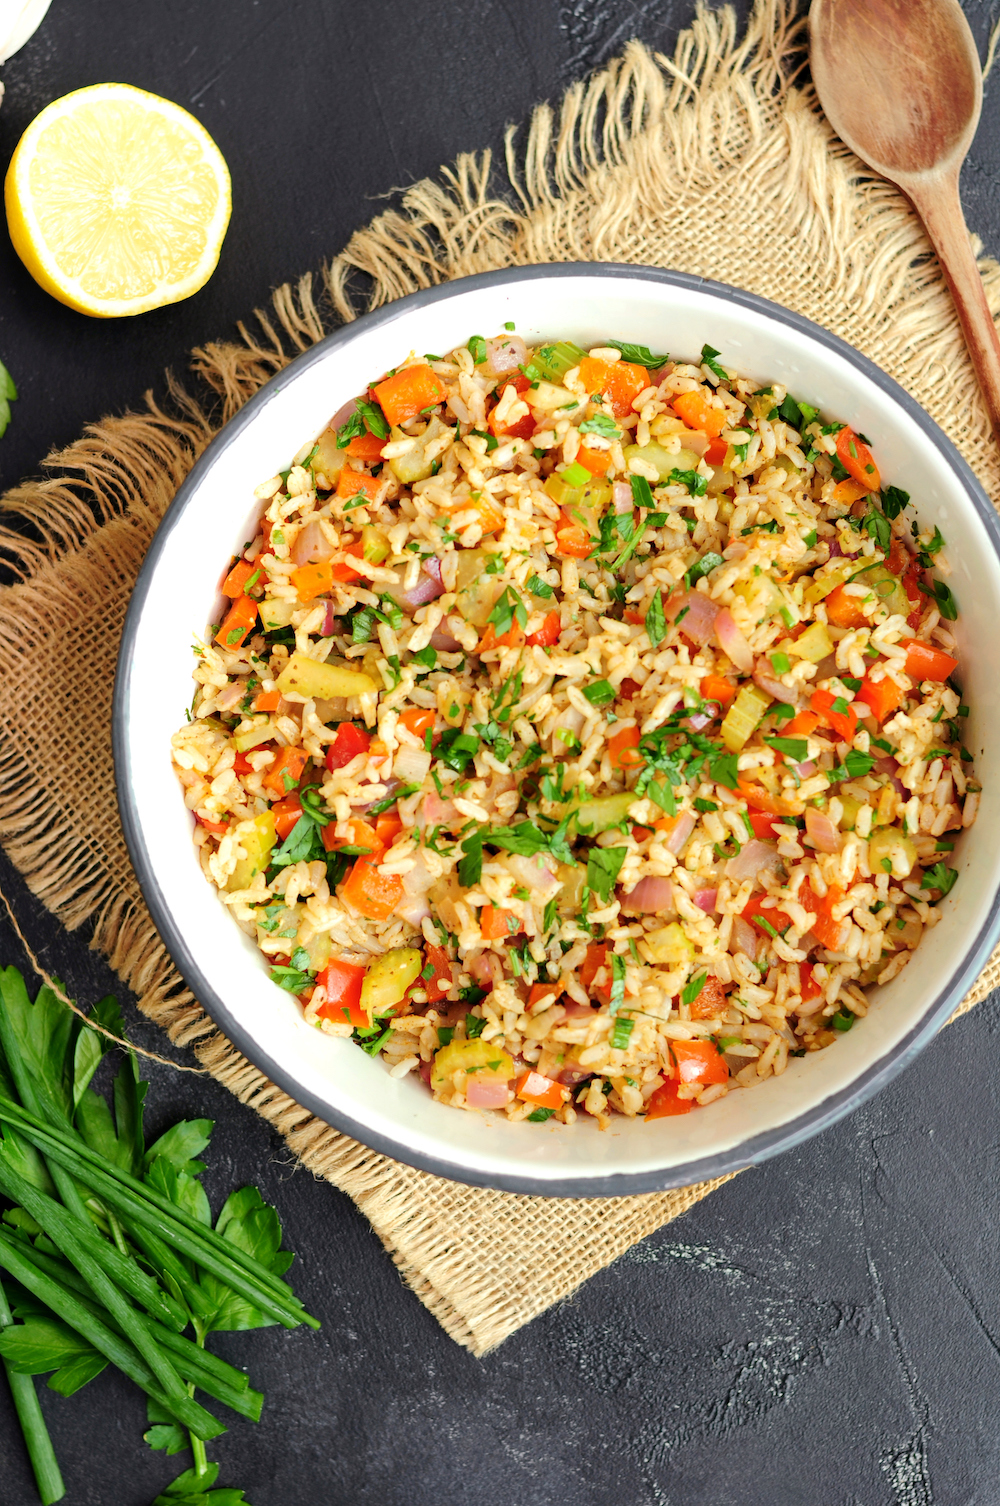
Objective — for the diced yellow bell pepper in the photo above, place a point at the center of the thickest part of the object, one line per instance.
(746, 713)
(821, 586)
(328, 460)
(307, 677)
(257, 840)
(815, 644)
(665, 462)
(260, 732)
(388, 978)
(670, 946)
(484, 1058)
(276, 614)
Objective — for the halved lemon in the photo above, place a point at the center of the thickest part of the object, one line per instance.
(117, 201)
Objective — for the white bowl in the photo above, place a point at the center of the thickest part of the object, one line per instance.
(177, 591)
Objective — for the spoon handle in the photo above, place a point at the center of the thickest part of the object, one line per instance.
(939, 206)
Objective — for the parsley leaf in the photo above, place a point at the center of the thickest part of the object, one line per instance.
(640, 354)
(470, 867)
(601, 424)
(708, 355)
(939, 877)
(795, 748)
(656, 622)
(693, 988)
(603, 867)
(696, 484)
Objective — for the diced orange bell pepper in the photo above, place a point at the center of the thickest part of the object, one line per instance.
(844, 723)
(858, 460)
(572, 539)
(881, 696)
(242, 764)
(217, 828)
(844, 610)
(716, 452)
(342, 983)
(235, 582)
(801, 725)
(387, 828)
(286, 814)
(808, 987)
(548, 634)
(623, 748)
(239, 620)
(418, 719)
(619, 381)
(408, 392)
(717, 688)
(542, 991)
(342, 570)
(698, 412)
(924, 662)
(596, 958)
(491, 515)
(759, 800)
(285, 772)
(313, 580)
(512, 638)
(665, 1102)
(366, 447)
(435, 979)
(267, 700)
(532, 1087)
(374, 894)
(710, 1002)
(523, 428)
(846, 493)
(496, 924)
(360, 834)
(596, 461)
(828, 932)
(353, 483)
(699, 1061)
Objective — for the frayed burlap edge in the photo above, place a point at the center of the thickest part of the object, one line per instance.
(643, 139)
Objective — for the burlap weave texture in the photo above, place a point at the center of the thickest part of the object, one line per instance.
(714, 162)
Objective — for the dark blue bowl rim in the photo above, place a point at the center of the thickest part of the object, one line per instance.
(748, 1152)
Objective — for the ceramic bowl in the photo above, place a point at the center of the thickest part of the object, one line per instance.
(176, 593)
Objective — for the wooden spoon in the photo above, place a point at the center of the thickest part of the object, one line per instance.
(901, 84)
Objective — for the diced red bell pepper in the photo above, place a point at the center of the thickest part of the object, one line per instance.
(911, 585)
(716, 452)
(844, 723)
(532, 1087)
(763, 825)
(436, 976)
(217, 828)
(242, 764)
(596, 958)
(342, 982)
(342, 570)
(828, 932)
(761, 919)
(802, 725)
(924, 662)
(665, 1102)
(387, 828)
(710, 1001)
(629, 689)
(348, 743)
(541, 991)
(881, 696)
(548, 634)
(699, 1061)
(808, 987)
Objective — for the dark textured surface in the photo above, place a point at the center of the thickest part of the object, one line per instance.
(825, 1330)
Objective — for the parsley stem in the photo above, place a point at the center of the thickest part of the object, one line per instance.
(29, 1415)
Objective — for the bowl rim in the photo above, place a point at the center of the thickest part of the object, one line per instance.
(748, 1152)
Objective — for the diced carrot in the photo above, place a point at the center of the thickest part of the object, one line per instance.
(267, 700)
(801, 725)
(366, 447)
(542, 991)
(239, 620)
(595, 959)
(313, 580)
(596, 461)
(435, 979)
(665, 1102)
(623, 748)
(387, 828)
(717, 688)
(882, 696)
(698, 412)
(408, 392)
(844, 723)
(924, 662)
(496, 924)
(828, 932)
(808, 987)
(342, 982)
(710, 1001)
(548, 634)
(849, 492)
(512, 638)
(342, 570)
(699, 1061)
(286, 770)
(856, 458)
(359, 834)
(353, 483)
(235, 582)
(845, 611)
(716, 452)
(376, 895)
(217, 828)
(286, 814)
(759, 800)
(418, 719)
(572, 539)
(619, 381)
(532, 1087)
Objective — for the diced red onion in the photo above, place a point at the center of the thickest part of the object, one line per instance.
(890, 768)
(443, 641)
(411, 765)
(572, 1077)
(822, 831)
(836, 552)
(706, 899)
(231, 695)
(805, 770)
(700, 719)
(764, 676)
(743, 938)
(532, 873)
(424, 1072)
(329, 622)
(486, 967)
(312, 545)
(433, 811)
(486, 1093)
(507, 353)
(697, 441)
(413, 910)
(732, 641)
(576, 1011)
(698, 622)
(428, 586)
(651, 896)
(390, 785)
(343, 414)
(756, 857)
(686, 823)
(621, 497)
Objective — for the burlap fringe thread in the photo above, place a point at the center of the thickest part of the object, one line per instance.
(712, 161)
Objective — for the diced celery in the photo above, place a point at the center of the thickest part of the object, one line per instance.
(484, 1058)
(821, 586)
(743, 716)
(892, 846)
(376, 545)
(573, 877)
(670, 946)
(261, 732)
(328, 461)
(549, 397)
(815, 644)
(576, 474)
(762, 596)
(477, 592)
(257, 840)
(415, 465)
(553, 361)
(562, 492)
(307, 677)
(849, 816)
(388, 978)
(598, 815)
(887, 587)
(665, 463)
(276, 614)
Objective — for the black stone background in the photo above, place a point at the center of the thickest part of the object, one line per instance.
(823, 1331)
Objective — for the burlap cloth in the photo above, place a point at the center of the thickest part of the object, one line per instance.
(715, 162)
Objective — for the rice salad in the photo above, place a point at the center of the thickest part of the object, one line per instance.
(581, 731)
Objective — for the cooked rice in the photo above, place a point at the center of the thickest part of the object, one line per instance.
(620, 837)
